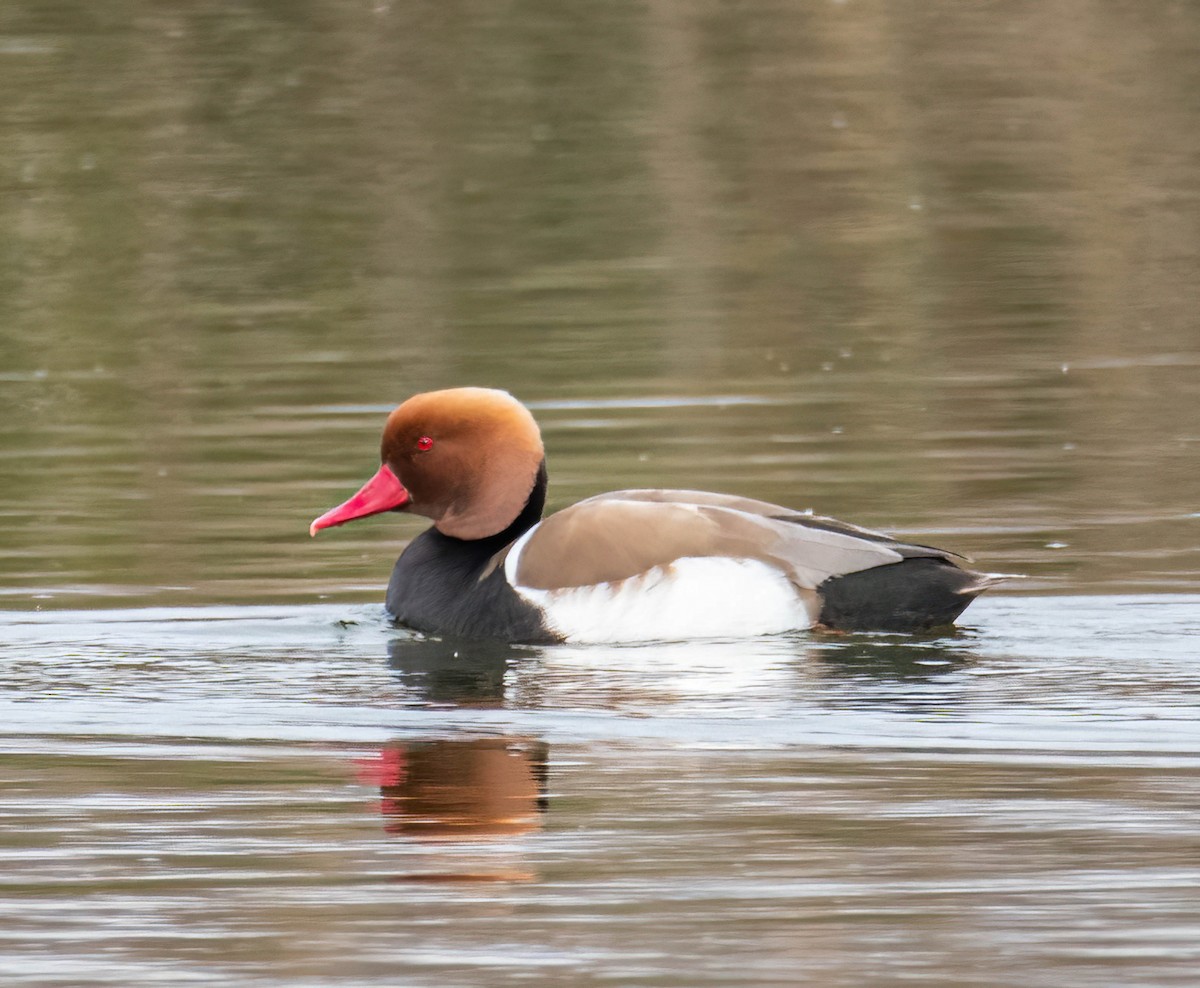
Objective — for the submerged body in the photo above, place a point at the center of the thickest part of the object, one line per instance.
(624, 566)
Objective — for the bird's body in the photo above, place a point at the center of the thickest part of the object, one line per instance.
(623, 566)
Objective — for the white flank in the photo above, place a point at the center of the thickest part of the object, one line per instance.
(694, 597)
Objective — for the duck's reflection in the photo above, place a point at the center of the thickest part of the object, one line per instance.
(891, 657)
(447, 670)
(462, 789)
(910, 674)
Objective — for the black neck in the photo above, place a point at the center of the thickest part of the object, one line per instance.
(531, 514)
(444, 585)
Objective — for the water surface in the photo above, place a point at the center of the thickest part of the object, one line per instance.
(930, 268)
(303, 795)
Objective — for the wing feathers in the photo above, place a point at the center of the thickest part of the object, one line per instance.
(617, 536)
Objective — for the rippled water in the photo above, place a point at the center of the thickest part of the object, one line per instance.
(930, 268)
(302, 795)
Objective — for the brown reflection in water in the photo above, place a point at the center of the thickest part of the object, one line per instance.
(461, 790)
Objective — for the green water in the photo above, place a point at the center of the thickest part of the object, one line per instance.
(929, 268)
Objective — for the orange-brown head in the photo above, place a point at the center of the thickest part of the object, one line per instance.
(466, 457)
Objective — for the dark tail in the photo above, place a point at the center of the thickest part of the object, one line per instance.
(912, 595)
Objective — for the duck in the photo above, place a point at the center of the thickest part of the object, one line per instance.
(622, 566)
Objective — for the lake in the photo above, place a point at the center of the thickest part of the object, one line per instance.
(929, 268)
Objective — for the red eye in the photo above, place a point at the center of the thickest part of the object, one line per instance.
(424, 444)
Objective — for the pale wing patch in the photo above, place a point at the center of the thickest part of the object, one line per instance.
(813, 555)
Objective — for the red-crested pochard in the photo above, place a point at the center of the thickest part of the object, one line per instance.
(633, 565)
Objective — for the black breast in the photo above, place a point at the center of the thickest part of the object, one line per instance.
(439, 585)
(436, 588)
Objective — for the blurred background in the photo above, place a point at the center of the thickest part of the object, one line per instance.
(929, 267)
